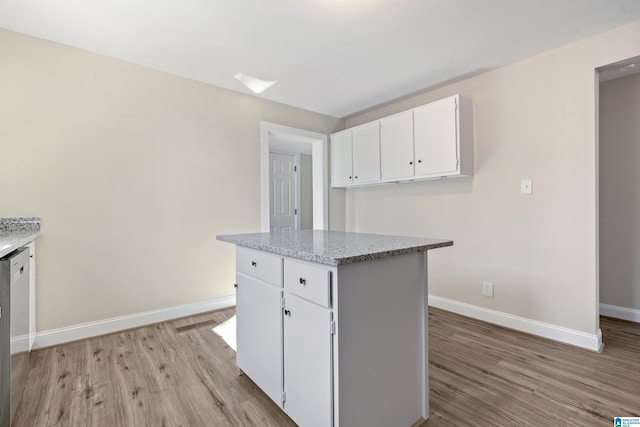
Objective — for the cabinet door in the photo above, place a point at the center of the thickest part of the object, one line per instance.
(259, 334)
(366, 153)
(341, 159)
(308, 363)
(396, 146)
(436, 137)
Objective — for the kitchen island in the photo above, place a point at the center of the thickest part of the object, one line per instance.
(332, 326)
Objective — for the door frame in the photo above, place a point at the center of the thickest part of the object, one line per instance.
(320, 181)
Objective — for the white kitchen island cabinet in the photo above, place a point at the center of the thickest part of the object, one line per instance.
(338, 335)
(260, 343)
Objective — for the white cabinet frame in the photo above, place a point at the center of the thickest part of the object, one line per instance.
(433, 141)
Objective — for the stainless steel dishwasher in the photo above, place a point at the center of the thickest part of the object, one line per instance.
(14, 329)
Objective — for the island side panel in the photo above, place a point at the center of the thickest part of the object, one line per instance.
(381, 354)
(424, 289)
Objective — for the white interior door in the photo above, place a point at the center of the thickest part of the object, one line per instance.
(283, 192)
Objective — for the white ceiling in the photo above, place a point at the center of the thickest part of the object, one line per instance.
(337, 57)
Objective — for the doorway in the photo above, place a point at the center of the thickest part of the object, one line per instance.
(286, 185)
(285, 139)
(618, 193)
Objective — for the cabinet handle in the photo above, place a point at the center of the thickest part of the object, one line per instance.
(410, 163)
(356, 177)
(303, 281)
(287, 312)
(349, 177)
(419, 161)
(235, 285)
(254, 264)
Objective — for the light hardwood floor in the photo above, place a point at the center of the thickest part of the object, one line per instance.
(180, 373)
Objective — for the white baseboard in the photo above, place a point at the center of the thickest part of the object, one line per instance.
(623, 313)
(534, 327)
(19, 344)
(115, 324)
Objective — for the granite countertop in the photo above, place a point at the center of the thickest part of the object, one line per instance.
(17, 232)
(333, 247)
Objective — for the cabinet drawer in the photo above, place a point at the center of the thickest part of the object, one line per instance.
(308, 282)
(261, 265)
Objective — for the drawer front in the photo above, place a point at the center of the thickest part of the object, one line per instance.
(308, 282)
(261, 265)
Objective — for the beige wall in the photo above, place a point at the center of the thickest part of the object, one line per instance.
(134, 172)
(620, 192)
(532, 119)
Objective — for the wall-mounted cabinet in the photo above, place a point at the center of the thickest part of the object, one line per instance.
(432, 141)
(356, 154)
(396, 146)
(341, 159)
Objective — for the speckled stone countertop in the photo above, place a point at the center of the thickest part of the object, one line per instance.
(333, 247)
(17, 232)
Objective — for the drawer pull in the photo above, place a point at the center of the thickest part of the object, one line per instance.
(254, 264)
(303, 281)
(287, 312)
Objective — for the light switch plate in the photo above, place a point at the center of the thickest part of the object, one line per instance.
(487, 289)
(526, 186)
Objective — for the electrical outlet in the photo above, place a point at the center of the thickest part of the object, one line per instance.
(526, 186)
(487, 289)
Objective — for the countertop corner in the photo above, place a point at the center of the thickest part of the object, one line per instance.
(17, 232)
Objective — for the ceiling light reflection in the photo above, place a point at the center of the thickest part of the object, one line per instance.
(254, 84)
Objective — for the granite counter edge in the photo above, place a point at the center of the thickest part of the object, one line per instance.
(335, 261)
(18, 242)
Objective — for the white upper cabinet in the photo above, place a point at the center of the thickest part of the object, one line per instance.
(435, 128)
(355, 156)
(366, 153)
(396, 146)
(341, 159)
(428, 142)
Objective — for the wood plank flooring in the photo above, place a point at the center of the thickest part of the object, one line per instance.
(180, 373)
(486, 375)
